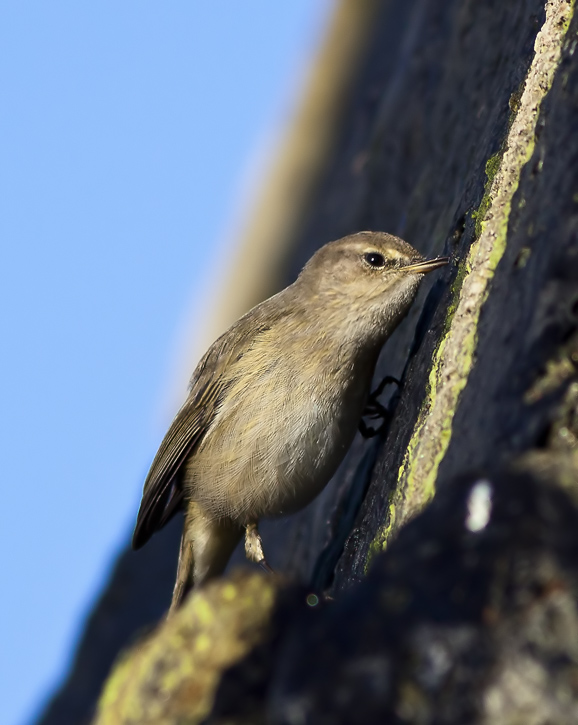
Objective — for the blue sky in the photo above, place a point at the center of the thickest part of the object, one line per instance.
(126, 131)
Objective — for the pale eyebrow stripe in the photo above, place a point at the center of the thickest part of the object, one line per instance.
(387, 250)
(396, 254)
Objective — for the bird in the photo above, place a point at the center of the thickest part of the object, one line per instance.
(275, 402)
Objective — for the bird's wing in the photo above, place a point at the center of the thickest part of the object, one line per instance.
(162, 493)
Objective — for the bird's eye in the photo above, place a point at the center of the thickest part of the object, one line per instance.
(374, 259)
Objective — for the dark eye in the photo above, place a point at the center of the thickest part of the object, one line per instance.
(374, 259)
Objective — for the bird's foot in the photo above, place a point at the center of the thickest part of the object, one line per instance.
(375, 410)
(254, 547)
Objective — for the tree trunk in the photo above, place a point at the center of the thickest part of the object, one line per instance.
(460, 135)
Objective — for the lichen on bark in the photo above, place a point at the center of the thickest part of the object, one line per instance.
(455, 353)
(172, 675)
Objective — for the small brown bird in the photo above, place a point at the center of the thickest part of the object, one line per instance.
(275, 402)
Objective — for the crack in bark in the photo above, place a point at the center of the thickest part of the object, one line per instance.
(455, 354)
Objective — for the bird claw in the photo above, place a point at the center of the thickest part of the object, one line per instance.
(374, 409)
(265, 566)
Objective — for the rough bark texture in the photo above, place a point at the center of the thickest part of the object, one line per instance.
(461, 135)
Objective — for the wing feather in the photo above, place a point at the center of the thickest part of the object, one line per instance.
(162, 492)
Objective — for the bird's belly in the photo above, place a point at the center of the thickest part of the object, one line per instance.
(270, 463)
(309, 461)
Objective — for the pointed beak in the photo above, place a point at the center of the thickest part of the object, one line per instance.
(428, 265)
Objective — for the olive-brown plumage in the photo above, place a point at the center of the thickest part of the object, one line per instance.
(275, 402)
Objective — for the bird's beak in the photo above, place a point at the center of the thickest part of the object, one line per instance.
(428, 265)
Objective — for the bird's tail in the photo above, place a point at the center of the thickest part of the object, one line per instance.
(206, 547)
(184, 580)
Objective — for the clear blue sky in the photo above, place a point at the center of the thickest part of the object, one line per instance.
(125, 132)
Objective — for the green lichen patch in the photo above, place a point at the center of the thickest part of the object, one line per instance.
(492, 166)
(455, 354)
(172, 676)
(523, 257)
(557, 372)
(382, 537)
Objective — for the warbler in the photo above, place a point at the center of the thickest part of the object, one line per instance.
(275, 402)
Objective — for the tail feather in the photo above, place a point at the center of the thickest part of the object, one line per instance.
(206, 547)
(184, 580)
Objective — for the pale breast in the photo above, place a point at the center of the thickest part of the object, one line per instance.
(279, 437)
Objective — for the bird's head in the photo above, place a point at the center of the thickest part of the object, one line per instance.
(369, 280)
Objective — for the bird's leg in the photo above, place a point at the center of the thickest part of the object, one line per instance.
(374, 409)
(254, 547)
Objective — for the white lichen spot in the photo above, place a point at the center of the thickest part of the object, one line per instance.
(479, 506)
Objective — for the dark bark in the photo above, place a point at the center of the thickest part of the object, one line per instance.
(452, 625)
(447, 617)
